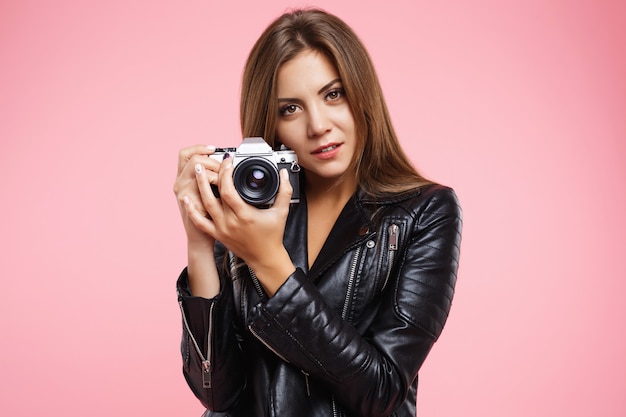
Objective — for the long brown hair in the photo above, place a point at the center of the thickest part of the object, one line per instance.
(380, 164)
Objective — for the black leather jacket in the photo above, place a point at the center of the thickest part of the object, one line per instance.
(343, 338)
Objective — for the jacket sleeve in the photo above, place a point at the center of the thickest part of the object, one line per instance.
(212, 359)
(371, 373)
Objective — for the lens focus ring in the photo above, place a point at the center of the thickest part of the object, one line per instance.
(256, 180)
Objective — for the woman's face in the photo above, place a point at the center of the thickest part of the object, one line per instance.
(314, 117)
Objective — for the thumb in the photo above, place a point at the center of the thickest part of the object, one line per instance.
(285, 190)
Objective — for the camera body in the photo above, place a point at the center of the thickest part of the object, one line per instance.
(256, 167)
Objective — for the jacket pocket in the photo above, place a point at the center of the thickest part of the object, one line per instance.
(372, 270)
(393, 232)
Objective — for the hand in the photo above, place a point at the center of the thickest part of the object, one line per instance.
(253, 234)
(186, 189)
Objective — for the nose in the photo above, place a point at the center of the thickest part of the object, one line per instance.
(318, 121)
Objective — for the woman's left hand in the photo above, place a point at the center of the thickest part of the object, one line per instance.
(251, 233)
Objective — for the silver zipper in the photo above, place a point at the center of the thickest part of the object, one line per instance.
(306, 380)
(306, 374)
(257, 285)
(334, 405)
(392, 248)
(346, 304)
(255, 334)
(206, 362)
(351, 276)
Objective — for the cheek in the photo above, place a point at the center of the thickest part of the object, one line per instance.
(287, 133)
(346, 119)
(281, 135)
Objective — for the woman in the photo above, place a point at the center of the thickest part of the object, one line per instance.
(326, 307)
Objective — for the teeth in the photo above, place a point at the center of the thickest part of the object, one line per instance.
(330, 148)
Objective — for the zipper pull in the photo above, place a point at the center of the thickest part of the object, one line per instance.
(393, 237)
(306, 380)
(206, 374)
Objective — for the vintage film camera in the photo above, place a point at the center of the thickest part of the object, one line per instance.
(256, 166)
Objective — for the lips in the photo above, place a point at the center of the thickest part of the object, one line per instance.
(326, 148)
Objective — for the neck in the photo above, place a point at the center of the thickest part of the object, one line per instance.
(330, 189)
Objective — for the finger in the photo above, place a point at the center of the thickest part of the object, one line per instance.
(285, 191)
(186, 189)
(185, 154)
(187, 174)
(228, 192)
(205, 179)
(186, 182)
(198, 217)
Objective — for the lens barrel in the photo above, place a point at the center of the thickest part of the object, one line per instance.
(256, 180)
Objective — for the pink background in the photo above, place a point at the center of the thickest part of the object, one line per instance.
(519, 105)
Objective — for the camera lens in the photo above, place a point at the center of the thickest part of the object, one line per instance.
(256, 180)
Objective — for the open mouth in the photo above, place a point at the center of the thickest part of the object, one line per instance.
(327, 148)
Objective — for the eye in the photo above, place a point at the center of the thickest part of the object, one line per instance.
(289, 109)
(335, 94)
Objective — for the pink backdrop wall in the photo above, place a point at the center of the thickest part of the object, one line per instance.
(519, 105)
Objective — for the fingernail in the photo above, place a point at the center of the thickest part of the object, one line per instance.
(186, 200)
(226, 155)
(211, 148)
(198, 168)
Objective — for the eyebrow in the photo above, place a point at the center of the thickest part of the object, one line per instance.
(321, 90)
(327, 86)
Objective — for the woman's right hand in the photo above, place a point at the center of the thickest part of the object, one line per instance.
(201, 268)
(186, 188)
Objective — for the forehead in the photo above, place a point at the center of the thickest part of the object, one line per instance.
(306, 72)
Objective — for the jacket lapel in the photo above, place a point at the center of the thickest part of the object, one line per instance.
(295, 238)
(351, 228)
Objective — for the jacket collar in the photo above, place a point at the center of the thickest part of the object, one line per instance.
(354, 225)
(386, 200)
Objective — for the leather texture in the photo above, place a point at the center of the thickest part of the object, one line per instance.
(346, 337)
